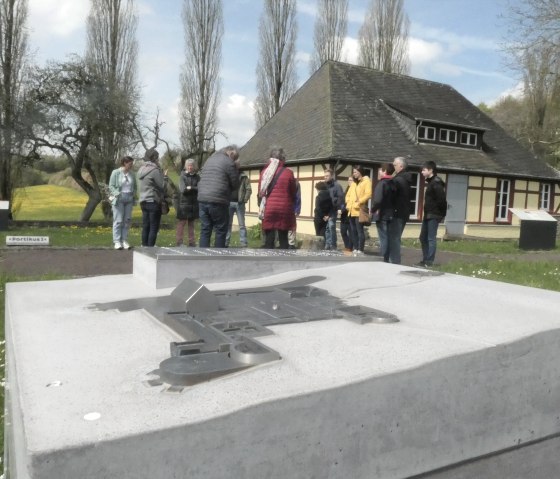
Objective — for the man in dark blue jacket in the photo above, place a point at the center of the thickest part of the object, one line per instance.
(435, 209)
(218, 178)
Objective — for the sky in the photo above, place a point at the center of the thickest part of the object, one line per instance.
(456, 42)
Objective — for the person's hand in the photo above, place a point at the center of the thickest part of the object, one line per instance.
(165, 172)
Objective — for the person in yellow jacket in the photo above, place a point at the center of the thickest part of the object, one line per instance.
(357, 197)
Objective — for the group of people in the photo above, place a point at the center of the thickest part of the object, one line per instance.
(213, 197)
(221, 191)
(390, 209)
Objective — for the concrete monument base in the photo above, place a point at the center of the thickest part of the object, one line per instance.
(467, 384)
(167, 267)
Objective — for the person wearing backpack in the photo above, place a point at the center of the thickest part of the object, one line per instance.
(435, 209)
(383, 207)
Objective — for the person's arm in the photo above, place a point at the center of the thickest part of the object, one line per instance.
(365, 191)
(114, 187)
(377, 196)
(248, 189)
(182, 184)
(233, 176)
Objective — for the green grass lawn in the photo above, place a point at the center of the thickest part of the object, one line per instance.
(51, 203)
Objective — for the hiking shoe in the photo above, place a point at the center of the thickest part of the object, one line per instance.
(420, 264)
(125, 245)
(118, 246)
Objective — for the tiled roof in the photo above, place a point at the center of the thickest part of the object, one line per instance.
(354, 114)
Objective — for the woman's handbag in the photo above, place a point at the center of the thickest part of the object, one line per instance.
(365, 217)
(164, 207)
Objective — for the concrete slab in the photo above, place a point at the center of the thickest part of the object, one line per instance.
(469, 375)
(164, 267)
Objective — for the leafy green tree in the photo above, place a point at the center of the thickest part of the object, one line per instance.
(534, 50)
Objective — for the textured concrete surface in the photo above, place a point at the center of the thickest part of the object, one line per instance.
(470, 375)
(167, 267)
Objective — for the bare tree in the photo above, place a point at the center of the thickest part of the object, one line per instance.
(383, 37)
(534, 22)
(111, 55)
(200, 83)
(13, 52)
(276, 68)
(330, 29)
(534, 51)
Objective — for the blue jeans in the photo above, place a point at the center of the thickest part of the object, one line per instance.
(383, 235)
(396, 228)
(428, 239)
(238, 209)
(213, 216)
(122, 217)
(357, 233)
(330, 232)
(151, 218)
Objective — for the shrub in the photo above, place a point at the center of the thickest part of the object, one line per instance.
(51, 164)
(32, 177)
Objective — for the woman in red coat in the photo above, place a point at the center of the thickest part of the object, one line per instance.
(277, 186)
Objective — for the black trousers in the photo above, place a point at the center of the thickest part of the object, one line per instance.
(270, 239)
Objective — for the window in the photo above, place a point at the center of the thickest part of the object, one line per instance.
(426, 133)
(414, 190)
(544, 196)
(468, 138)
(447, 136)
(502, 213)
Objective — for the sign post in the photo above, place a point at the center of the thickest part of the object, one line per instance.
(538, 229)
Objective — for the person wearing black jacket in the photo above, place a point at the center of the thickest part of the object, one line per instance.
(383, 207)
(402, 182)
(435, 209)
(323, 207)
(187, 203)
(218, 178)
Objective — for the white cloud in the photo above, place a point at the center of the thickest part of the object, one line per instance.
(454, 42)
(144, 9)
(516, 91)
(422, 52)
(237, 120)
(303, 57)
(307, 8)
(350, 49)
(57, 17)
(356, 16)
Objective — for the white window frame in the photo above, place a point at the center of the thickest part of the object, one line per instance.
(445, 132)
(427, 129)
(415, 188)
(469, 136)
(545, 196)
(502, 206)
